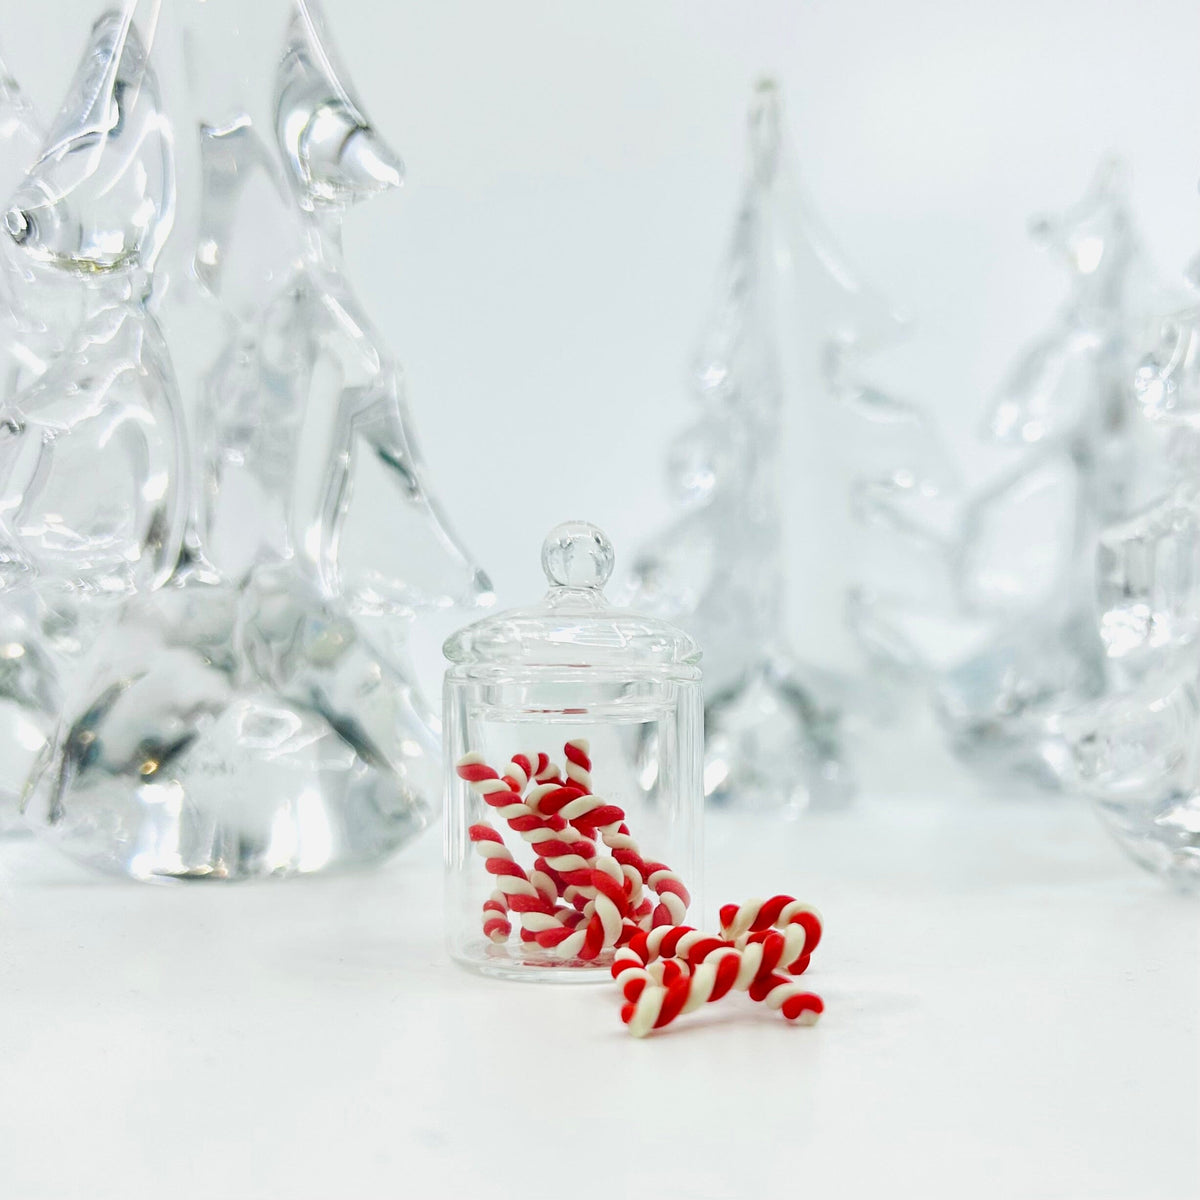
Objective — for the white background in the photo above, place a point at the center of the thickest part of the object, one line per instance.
(1010, 1014)
(1012, 1006)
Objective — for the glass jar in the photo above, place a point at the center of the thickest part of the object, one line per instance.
(573, 743)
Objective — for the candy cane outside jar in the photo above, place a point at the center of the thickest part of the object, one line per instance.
(668, 972)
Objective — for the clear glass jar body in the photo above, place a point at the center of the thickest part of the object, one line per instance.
(642, 727)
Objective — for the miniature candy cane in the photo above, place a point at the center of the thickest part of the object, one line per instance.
(496, 925)
(561, 841)
(680, 943)
(578, 766)
(497, 794)
(566, 857)
(633, 973)
(588, 813)
(588, 816)
(537, 769)
(724, 969)
(789, 998)
(779, 911)
(503, 794)
(756, 915)
(524, 769)
(607, 904)
(566, 854)
(578, 772)
(691, 947)
(515, 891)
(695, 968)
(658, 1005)
(606, 922)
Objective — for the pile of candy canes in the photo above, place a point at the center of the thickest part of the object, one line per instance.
(576, 903)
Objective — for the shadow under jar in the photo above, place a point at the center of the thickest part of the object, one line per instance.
(573, 743)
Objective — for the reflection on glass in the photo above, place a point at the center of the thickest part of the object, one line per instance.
(215, 479)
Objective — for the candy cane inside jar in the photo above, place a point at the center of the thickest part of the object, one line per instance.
(577, 822)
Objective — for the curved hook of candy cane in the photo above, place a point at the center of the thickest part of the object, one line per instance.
(778, 912)
(502, 795)
(589, 814)
(788, 998)
(518, 892)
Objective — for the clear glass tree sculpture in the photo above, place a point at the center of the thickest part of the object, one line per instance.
(223, 453)
(790, 321)
(1137, 751)
(994, 613)
(29, 686)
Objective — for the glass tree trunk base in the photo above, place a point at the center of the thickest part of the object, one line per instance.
(769, 746)
(1162, 836)
(236, 733)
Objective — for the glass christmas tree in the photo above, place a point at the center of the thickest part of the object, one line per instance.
(1137, 751)
(994, 613)
(219, 466)
(790, 323)
(29, 685)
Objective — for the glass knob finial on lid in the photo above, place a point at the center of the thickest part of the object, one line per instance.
(574, 624)
(577, 554)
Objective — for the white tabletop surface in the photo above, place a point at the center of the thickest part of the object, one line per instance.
(1011, 1013)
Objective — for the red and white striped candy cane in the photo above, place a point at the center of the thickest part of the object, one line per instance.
(696, 968)
(666, 943)
(589, 814)
(515, 894)
(578, 772)
(609, 821)
(514, 891)
(633, 972)
(578, 766)
(502, 794)
(725, 968)
(785, 996)
(606, 914)
(657, 1005)
(605, 894)
(690, 947)
(779, 912)
(568, 860)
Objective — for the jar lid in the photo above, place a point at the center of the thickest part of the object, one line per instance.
(573, 624)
